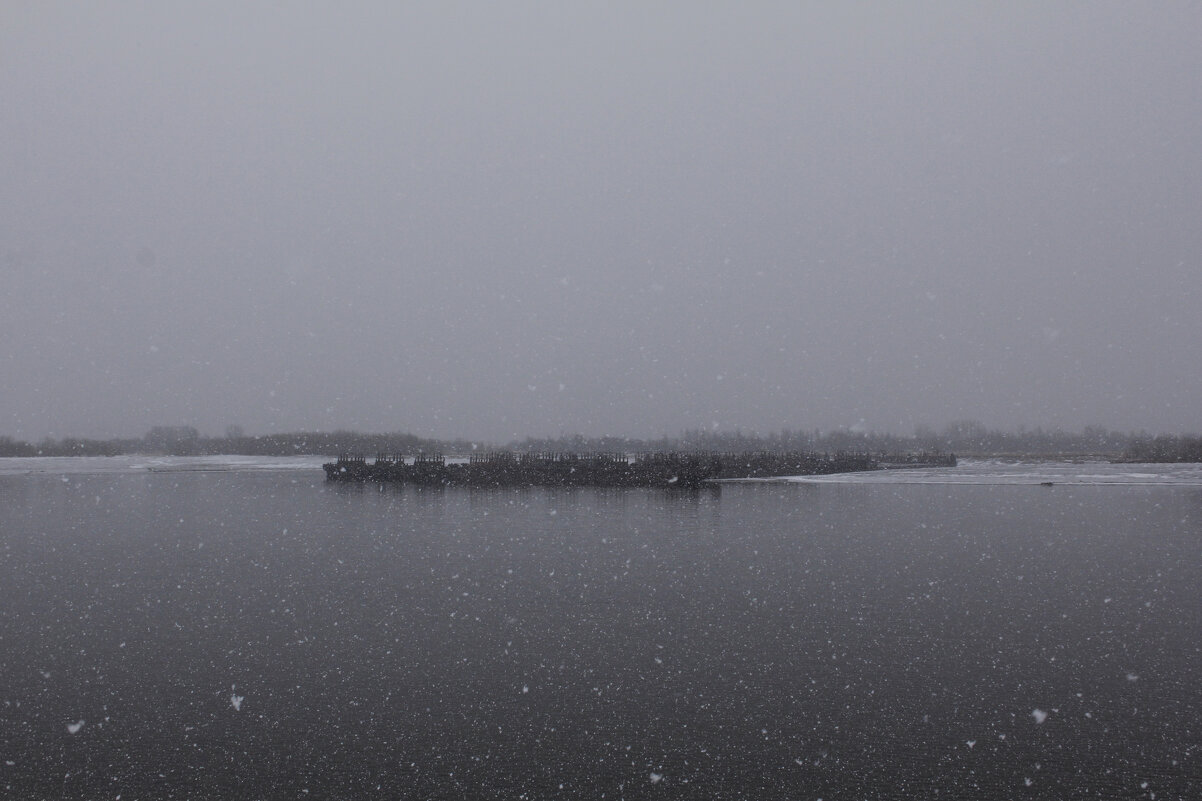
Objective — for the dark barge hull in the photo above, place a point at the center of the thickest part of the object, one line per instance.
(511, 470)
(664, 470)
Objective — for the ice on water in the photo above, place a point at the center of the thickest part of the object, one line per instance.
(998, 471)
(969, 471)
(64, 466)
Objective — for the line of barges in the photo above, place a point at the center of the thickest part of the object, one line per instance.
(669, 470)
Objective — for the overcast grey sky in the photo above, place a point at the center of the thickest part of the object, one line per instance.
(498, 219)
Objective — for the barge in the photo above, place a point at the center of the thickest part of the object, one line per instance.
(666, 470)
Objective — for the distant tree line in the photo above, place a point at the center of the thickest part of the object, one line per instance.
(1164, 448)
(964, 438)
(971, 438)
(69, 446)
(186, 441)
(332, 444)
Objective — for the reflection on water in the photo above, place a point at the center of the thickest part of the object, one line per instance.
(201, 634)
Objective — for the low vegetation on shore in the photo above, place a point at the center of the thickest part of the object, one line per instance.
(966, 438)
(1164, 449)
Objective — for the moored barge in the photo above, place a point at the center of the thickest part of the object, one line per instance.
(667, 470)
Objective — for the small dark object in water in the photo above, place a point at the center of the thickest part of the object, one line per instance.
(1045, 483)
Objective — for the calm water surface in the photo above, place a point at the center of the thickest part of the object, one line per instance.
(258, 633)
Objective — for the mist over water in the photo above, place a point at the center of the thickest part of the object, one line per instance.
(209, 634)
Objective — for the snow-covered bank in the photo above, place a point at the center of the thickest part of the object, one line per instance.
(1001, 472)
(73, 465)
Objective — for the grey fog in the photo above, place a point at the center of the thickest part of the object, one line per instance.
(498, 219)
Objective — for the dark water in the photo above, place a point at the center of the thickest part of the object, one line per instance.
(773, 641)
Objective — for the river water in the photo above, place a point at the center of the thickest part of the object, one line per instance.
(239, 628)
